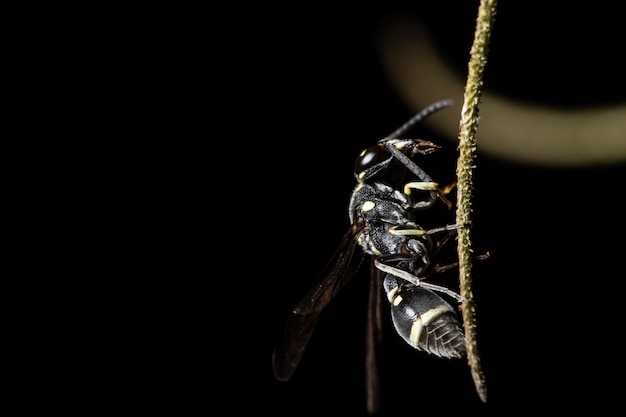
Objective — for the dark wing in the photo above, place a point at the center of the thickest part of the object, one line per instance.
(302, 320)
(291, 344)
(373, 336)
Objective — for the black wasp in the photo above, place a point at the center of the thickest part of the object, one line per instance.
(382, 213)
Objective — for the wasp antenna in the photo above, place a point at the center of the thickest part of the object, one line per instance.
(419, 117)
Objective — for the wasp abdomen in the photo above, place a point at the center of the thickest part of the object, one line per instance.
(425, 320)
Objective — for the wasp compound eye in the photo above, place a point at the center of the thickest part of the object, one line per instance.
(377, 163)
(371, 160)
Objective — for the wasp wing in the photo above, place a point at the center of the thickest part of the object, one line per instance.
(291, 345)
(373, 336)
(302, 320)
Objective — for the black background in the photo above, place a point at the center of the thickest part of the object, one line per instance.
(227, 138)
(307, 92)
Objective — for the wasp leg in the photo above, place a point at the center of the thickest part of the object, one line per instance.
(437, 269)
(420, 185)
(398, 230)
(373, 336)
(435, 192)
(419, 172)
(407, 276)
(446, 190)
(449, 230)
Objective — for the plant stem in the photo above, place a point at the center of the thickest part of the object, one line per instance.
(464, 172)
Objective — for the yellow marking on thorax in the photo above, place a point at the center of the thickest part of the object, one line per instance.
(368, 205)
(393, 299)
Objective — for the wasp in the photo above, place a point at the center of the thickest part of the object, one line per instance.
(382, 210)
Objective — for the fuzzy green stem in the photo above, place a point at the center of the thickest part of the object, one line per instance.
(467, 149)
